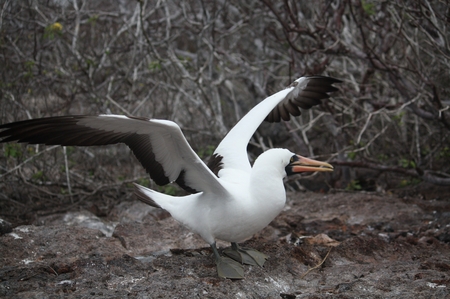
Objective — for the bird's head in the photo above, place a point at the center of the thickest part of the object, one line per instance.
(289, 163)
(299, 164)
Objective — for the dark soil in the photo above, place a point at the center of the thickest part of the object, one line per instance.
(370, 246)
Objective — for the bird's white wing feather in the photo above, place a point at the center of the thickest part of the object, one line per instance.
(233, 147)
(304, 92)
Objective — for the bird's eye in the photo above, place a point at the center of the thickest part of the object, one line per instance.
(292, 159)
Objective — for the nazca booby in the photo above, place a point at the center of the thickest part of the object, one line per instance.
(230, 200)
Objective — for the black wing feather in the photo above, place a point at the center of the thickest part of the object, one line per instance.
(315, 90)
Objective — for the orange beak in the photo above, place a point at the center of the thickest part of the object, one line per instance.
(302, 164)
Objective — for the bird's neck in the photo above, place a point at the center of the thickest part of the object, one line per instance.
(267, 189)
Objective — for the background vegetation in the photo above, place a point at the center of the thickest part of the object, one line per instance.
(204, 64)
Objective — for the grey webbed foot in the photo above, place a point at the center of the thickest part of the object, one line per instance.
(226, 267)
(246, 256)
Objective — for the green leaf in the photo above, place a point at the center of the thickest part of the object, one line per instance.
(354, 185)
(368, 7)
(13, 150)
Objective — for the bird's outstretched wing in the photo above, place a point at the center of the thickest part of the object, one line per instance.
(304, 93)
(159, 145)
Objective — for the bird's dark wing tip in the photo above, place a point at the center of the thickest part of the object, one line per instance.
(215, 163)
(37, 130)
(306, 94)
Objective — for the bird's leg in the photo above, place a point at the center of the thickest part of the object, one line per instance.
(246, 256)
(226, 267)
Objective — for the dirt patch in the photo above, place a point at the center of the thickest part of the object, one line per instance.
(377, 246)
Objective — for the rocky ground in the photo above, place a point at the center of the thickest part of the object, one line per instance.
(335, 245)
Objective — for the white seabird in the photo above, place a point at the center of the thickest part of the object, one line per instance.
(230, 200)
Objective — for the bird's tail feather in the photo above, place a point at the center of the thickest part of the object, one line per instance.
(144, 195)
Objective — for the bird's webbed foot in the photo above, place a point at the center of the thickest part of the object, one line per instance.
(227, 267)
(246, 256)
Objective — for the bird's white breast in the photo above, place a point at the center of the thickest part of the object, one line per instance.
(253, 204)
